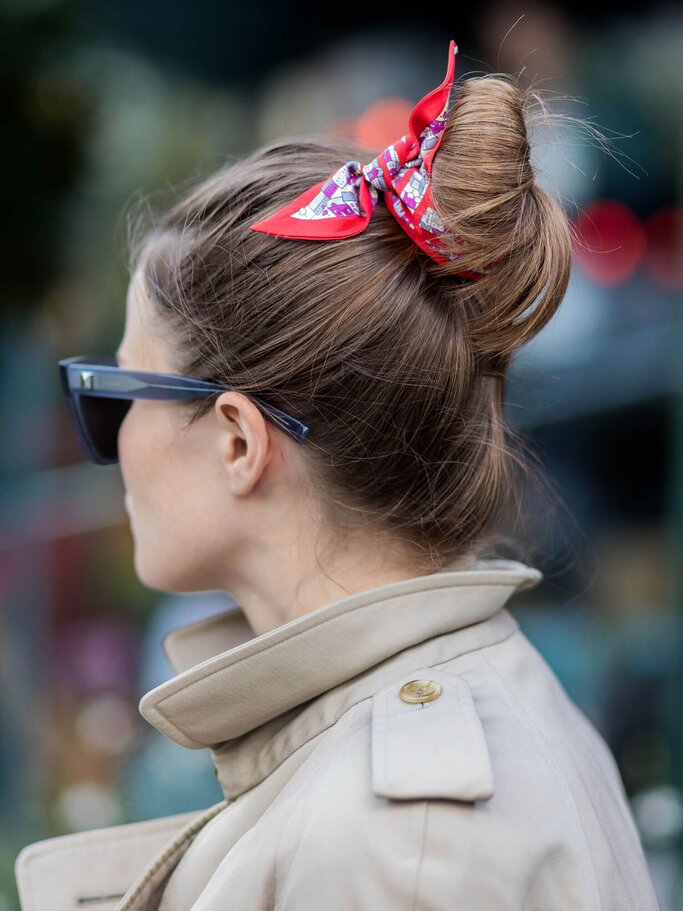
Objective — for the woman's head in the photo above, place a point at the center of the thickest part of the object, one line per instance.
(397, 367)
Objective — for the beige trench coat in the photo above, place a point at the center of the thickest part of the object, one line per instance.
(349, 787)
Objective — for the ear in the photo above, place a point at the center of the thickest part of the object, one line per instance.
(244, 440)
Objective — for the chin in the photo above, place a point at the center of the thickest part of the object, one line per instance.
(149, 575)
(142, 570)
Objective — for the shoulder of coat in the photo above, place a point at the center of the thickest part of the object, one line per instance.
(428, 740)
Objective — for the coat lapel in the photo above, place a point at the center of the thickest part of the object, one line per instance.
(94, 869)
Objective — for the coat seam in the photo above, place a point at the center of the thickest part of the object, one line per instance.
(568, 798)
(471, 651)
(418, 871)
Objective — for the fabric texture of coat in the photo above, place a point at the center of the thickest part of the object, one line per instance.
(406, 747)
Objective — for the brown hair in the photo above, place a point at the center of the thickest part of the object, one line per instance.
(398, 367)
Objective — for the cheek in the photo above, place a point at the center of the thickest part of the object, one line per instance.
(139, 437)
(122, 443)
(161, 467)
(174, 498)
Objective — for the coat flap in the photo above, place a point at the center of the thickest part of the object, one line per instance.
(94, 868)
(434, 748)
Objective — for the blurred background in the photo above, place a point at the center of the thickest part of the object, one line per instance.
(105, 103)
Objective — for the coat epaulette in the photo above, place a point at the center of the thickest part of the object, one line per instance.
(428, 740)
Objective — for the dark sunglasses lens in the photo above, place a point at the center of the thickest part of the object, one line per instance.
(102, 418)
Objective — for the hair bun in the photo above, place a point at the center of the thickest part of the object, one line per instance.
(485, 191)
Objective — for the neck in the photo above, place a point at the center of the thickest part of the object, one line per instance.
(275, 590)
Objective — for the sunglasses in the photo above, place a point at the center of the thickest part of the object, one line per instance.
(99, 394)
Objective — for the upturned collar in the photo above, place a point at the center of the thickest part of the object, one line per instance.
(246, 697)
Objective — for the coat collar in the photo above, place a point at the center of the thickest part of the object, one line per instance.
(252, 699)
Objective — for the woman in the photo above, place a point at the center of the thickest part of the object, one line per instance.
(385, 735)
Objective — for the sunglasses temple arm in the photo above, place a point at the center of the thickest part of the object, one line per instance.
(291, 425)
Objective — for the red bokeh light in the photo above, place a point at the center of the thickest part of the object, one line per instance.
(383, 122)
(610, 241)
(380, 124)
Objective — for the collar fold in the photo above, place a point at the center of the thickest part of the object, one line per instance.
(232, 683)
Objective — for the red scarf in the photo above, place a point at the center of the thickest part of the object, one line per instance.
(342, 204)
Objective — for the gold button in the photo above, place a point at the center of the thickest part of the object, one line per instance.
(420, 691)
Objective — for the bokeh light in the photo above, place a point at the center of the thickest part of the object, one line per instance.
(610, 241)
